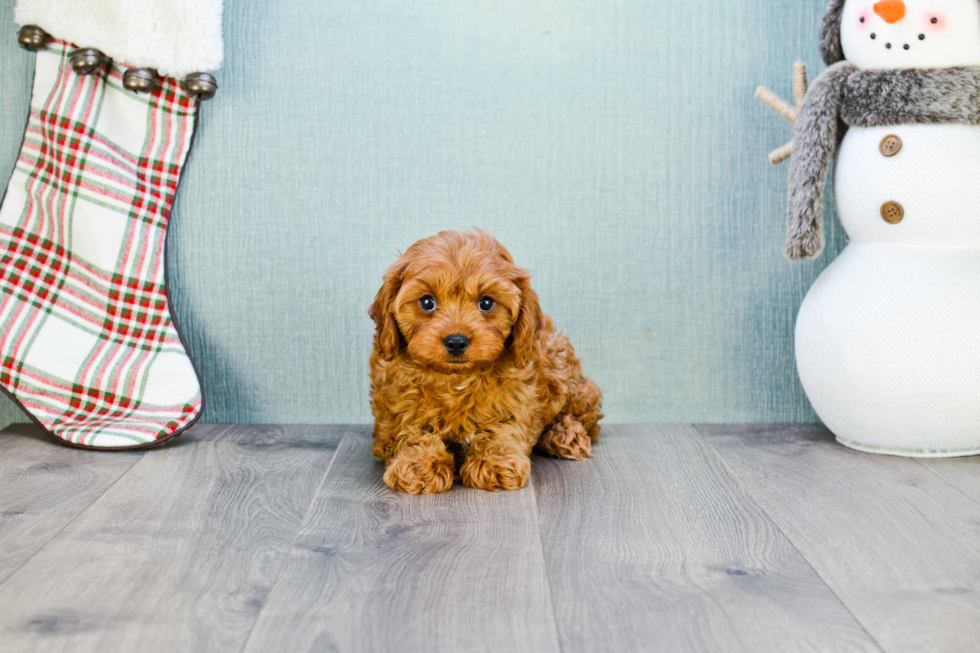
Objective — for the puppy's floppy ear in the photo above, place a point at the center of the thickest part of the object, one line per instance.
(388, 340)
(523, 341)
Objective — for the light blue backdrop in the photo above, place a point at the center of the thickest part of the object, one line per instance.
(613, 145)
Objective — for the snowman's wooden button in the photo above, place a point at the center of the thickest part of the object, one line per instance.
(892, 212)
(890, 145)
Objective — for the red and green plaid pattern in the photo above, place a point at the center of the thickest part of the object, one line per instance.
(87, 343)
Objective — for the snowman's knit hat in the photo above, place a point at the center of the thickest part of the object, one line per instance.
(830, 46)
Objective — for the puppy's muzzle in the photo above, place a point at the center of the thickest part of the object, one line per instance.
(456, 344)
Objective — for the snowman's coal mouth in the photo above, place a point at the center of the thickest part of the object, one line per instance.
(907, 46)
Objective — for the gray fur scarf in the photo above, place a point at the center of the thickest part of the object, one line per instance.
(844, 96)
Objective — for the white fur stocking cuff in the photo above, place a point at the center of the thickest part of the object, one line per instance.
(176, 37)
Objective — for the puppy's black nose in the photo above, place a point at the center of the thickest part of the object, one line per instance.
(456, 344)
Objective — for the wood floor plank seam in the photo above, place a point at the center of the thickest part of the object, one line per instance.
(789, 539)
(544, 557)
(299, 529)
(70, 521)
(946, 481)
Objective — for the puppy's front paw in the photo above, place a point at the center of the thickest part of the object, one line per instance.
(566, 439)
(496, 471)
(420, 474)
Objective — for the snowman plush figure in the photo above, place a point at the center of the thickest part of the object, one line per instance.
(888, 338)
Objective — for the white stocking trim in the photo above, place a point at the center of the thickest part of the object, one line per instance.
(176, 37)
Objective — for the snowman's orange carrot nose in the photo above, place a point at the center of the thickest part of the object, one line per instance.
(891, 11)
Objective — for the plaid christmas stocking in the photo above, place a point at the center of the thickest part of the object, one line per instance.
(88, 346)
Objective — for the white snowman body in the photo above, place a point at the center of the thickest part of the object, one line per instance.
(888, 338)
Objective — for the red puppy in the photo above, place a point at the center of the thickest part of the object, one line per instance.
(463, 356)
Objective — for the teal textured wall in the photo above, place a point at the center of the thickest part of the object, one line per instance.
(613, 145)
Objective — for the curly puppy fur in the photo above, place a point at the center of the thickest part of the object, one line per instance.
(517, 385)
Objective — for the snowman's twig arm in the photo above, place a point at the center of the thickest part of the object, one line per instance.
(799, 83)
(815, 139)
(776, 103)
(780, 154)
(784, 108)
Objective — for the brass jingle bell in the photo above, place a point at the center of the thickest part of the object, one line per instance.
(140, 80)
(32, 37)
(87, 60)
(200, 85)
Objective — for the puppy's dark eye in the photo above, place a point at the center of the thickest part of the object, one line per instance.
(428, 303)
(487, 304)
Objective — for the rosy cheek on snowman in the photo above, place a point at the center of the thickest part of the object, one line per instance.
(929, 22)
(935, 23)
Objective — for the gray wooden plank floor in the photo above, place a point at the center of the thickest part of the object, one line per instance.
(179, 554)
(44, 487)
(655, 543)
(897, 543)
(375, 570)
(961, 473)
(248, 538)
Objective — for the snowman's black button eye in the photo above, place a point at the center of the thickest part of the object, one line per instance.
(934, 21)
(922, 37)
(487, 304)
(873, 35)
(906, 46)
(428, 303)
